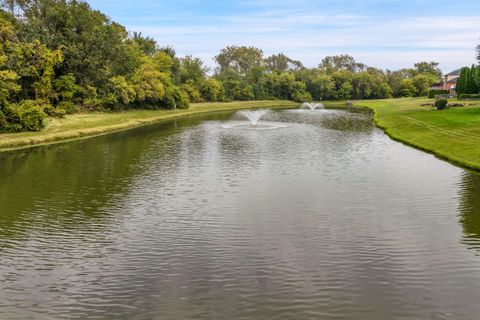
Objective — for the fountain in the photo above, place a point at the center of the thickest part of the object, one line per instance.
(312, 106)
(253, 116)
(253, 123)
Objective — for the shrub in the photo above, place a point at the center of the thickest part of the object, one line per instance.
(433, 93)
(191, 91)
(465, 96)
(53, 112)
(31, 115)
(301, 96)
(441, 104)
(69, 107)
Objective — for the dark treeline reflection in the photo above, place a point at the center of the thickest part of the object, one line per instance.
(470, 208)
(70, 184)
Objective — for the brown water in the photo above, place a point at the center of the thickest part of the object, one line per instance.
(324, 219)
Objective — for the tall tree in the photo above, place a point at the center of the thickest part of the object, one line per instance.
(472, 83)
(282, 63)
(240, 59)
(428, 68)
(341, 62)
(478, 53)
(192, 68)
(462, 82)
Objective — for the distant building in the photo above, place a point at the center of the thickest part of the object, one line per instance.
(449, 82)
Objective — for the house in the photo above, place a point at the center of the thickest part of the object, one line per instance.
(449, 82)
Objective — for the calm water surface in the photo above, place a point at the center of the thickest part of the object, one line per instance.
(324, 219)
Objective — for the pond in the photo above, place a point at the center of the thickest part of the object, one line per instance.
(322, 217)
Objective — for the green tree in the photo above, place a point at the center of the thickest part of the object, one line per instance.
(473, 79)
(431, 68)
(407, 88)
(212, 90)
(240, 59)
(192, 69)
(342, 62)
(281, 63)
(462, 82)
(146, 44)
(422, 83)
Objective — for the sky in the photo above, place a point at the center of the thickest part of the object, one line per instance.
(388, 34)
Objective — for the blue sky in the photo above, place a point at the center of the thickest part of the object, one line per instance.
(387, 34)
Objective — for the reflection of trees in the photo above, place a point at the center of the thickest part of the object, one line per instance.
(470, 207)
(71, 184)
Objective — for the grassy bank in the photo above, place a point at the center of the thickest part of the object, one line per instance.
(91, 124)
(452, 134)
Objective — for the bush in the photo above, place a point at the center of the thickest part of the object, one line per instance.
(31, 115)
(191, 91)
(441, 104)
(465, 96)
(54, 112)
(69, 107)
(433, 93)
(32, 119)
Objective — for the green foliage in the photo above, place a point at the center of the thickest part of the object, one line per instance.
(122, 92)
(422, 83)
(65, 88)
(192, 69)
(473, 80)
(212, 90)
(441, 104)
(433, 93)
(191, 91)
(468, 96)
(69, 107)
(239, 59)
(429, 68)
(282, 63)
(407, 88)
(25, 116)
(67, 57)
(462, 82)
(341, 63)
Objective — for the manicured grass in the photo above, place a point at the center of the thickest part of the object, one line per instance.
(91, 124)
(452, 134)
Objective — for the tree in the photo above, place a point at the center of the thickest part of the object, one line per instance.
(431, 68)
(192, 69)
(473, 79)
(239, 59)
(462, 82)
(370, 85)
(422, 83)
(478, 53)
(341, 63)
(282, 63)
(212, 90)
(407, 88)
(147, 45)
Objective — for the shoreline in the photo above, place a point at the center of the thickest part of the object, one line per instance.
(403, 120)
(439, 133)
(89, 125)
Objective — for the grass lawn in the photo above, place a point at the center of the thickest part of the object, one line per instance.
(91, 124)
(452, 134)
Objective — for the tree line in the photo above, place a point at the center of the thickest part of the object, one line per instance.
(60, 56)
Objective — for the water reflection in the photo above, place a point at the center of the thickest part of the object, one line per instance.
(324, 219)
(470, 209)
